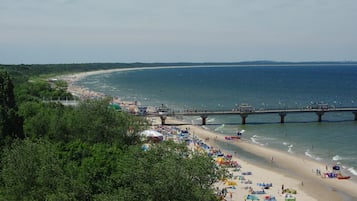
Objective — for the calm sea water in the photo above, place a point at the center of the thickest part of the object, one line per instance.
(334, 140)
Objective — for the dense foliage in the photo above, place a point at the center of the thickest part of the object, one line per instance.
(10, 122)
(88, 152)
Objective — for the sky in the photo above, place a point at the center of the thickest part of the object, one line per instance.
(87, 31)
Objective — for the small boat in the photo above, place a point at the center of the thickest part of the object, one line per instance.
(235, 137)
(232, 137)
(343, 177)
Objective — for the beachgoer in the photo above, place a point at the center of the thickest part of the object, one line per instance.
(282, 188)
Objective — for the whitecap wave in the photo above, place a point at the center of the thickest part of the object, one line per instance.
(254, 140)
(307, 153)
(286, 143)
(205, 127)
(211, 120)
(310, 155)
(336, 158)
(353, 171)
(290, 150)
(219, 128)
(340, 158)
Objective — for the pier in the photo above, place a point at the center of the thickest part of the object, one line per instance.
(245, 112)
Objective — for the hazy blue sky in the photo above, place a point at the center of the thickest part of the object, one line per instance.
(77, 31)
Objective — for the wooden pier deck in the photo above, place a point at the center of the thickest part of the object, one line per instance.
(244, 114)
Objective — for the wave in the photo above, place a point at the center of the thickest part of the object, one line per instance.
(336, 158)
(286, 143)
(219, 128)
(211, 120)
(290, 146)
(340, 158)
(290, 150)
(308, 154)
(205, 127)
(353, 171)
(254, 140)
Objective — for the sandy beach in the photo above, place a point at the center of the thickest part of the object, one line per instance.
(286, 169)
(291, 171)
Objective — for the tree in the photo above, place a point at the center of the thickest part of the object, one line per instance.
(90, 167)
(10, 122)
(94, 122)
(32, 170)
(167, 171)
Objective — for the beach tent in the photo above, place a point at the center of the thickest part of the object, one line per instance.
(252, 197)
(152, 134)
(115, 106)
(289, 197)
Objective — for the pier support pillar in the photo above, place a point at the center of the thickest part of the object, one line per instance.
(204, 118)
(163, 118)
(355, 113)
(282, 117)
(244, 117)
(319, 115)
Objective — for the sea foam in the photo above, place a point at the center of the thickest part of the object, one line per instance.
(336, 158)
(254, 140)
(352, 170)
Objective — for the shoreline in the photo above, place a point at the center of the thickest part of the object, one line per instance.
(314, 188)
(290, 170)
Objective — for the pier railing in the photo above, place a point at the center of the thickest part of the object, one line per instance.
(282, 112)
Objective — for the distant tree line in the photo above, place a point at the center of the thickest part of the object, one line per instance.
(88, 152)
(21, 72)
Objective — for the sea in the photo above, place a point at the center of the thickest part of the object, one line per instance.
(225, 87)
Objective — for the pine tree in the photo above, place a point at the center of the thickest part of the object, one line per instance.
(10, 122)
